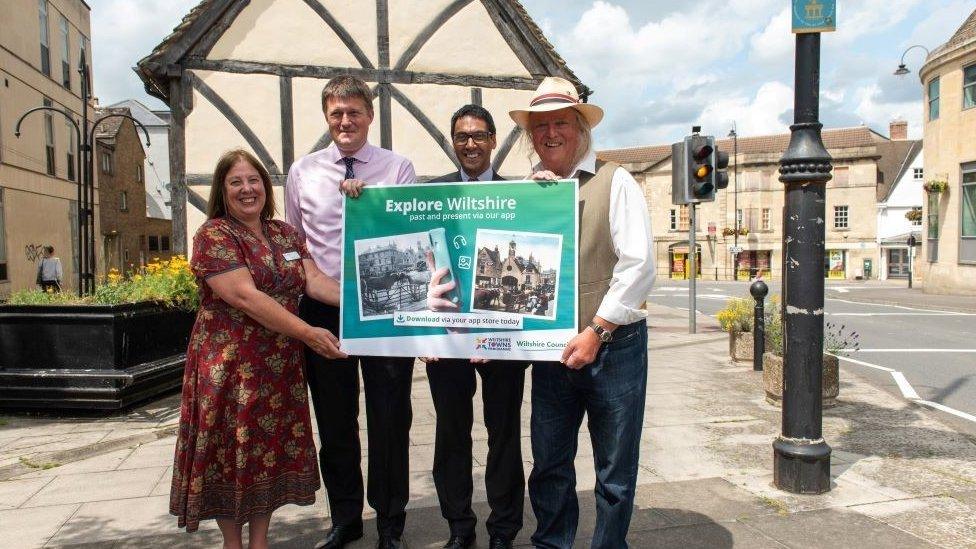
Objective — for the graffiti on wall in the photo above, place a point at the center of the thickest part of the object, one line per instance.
(34, 252)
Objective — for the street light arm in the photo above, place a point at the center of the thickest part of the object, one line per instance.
(91, 136)
(64, 113)
(910, 48)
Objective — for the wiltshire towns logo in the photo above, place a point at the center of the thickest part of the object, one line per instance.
(493, 343)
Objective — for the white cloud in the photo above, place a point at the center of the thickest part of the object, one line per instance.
(774, 44)
(759, 115)
(878, 115)
(123, 32)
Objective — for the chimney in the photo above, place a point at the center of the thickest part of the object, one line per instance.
(898, 130)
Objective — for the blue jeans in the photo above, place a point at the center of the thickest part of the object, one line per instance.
(611, 391)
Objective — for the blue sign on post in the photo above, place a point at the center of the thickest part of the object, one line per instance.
(814, 16)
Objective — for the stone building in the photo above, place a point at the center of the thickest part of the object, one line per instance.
(156, 167)
(511, 271)
(249, 74)
(130, 238)
(948, 259)
(755, 198)
(41, 43)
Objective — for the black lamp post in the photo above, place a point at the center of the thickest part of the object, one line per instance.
(911, 257)
(735, 198)
(85, 137)
(801, 457)
(902, 69)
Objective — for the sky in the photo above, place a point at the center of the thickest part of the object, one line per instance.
(660, 66)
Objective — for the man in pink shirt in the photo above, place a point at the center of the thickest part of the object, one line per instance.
(313, 205)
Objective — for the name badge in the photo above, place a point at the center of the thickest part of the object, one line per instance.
(291, 256)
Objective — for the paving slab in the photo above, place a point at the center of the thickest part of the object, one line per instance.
(103, 486)
(31, 528)
(834, 528)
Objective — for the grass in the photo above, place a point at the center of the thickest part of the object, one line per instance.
(3, 422)
(36, 465)
(781, 508)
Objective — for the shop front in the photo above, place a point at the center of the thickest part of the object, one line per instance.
(754, 263)
(835, 264)
(680, 261)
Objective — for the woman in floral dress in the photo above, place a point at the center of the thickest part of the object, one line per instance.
(245, 445)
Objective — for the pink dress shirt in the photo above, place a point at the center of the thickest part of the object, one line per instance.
(313, 201)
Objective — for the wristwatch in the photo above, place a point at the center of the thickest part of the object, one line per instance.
(601, 332)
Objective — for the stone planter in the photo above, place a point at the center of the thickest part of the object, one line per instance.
(741, 346)
(102, 357)
(773, 379)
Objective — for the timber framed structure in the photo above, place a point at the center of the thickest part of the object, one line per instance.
(423, 62)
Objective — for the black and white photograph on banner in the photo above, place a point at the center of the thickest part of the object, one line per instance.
(393, 274)
(517, 272)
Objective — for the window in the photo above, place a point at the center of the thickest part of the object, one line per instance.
(83, 55)
(842, 176)
(49, 138)
(674, 220)
(71, 150)
(969, 87)
(766, 219)
(683, 222)
(124, 201)
(933, 231)
(917, 221)
(765, 180)
(934, 99)
(739, 218)
(106, 162)
(45, 38)
(153, 243)
(840, 217)
(3, 242)
(918, 173)
(967, 221)
(164, 246)
(139, 173)
(65, 54)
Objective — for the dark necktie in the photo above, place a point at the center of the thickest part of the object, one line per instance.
(349, 162)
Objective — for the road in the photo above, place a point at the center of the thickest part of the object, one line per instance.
(922, 353)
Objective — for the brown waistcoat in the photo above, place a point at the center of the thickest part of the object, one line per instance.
(596, 256)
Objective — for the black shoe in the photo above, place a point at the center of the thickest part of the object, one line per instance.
(461, 542)
(499, 543)
(389, 542)
(340, 535)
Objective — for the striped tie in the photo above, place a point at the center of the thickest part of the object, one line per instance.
(349, 162)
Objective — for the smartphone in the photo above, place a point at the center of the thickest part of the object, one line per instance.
(442, 258)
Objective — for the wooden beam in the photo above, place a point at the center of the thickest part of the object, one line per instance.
(198, 179)
(383, 33)
(431, 128)
(235, 119)
(386, 117)
(341, 32)
(287, 123)
(507, 145)
(177, 162)
(391, 76)
(428, 31)
(179, 48)
(196, 200)
(527, 48)
(217, 29)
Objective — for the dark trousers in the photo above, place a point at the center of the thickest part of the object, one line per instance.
(334, 386)
(611, 392)
(452, 386)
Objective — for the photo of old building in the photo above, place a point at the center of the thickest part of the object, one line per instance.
(522, 279)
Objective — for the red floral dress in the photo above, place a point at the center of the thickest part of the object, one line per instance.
(245, 438)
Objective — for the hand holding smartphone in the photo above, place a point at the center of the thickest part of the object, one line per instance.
(442, 258)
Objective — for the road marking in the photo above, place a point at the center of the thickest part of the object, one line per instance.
(948, 410)
(899, 307)
(862, 363)
(902, 314)
(907, 350)
(906, 388)
(908, 391)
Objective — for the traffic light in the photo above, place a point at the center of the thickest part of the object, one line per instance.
(697, 169)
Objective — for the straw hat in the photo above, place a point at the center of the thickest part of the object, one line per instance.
(556, 93)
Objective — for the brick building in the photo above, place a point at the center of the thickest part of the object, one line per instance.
(130, 239)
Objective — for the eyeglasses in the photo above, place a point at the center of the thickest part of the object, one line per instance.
(479, 137)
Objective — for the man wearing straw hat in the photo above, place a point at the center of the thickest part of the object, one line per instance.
(603, 369)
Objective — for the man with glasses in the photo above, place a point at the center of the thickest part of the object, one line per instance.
(452, 386)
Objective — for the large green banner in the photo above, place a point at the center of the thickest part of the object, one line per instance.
(510, 248)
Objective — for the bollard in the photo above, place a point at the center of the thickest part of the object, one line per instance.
(758, 289)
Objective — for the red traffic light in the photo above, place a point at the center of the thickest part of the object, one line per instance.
(701, 152)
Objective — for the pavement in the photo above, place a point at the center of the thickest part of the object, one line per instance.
(900, 477)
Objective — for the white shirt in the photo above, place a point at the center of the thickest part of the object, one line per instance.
(487, 175)
(630, 232)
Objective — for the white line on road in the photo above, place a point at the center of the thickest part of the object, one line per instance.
(906, 388)
(908, 391)
(948, 410)
(902, 314)
(907, 350)
(899, 307)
